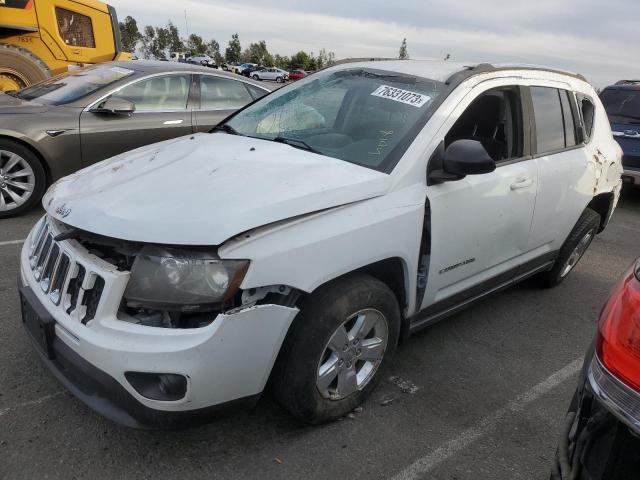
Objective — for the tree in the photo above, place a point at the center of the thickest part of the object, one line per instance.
(213, 50)
(234, 50)
(175, 43)
(129, 34)
(300, 60)
(325, 59)
(281, 62)
(148, 40)
(403, 54)
(258, 53)
(196, 45)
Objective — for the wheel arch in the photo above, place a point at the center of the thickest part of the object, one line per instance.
(32, 149)
(602, 204)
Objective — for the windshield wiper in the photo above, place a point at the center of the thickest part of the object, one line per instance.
(226, 129)
(296, 143)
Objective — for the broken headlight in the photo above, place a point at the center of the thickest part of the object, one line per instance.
(182, 280)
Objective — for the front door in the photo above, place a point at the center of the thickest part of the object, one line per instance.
(162, 111)
(480, 225)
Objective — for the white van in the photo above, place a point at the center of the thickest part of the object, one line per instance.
(303, 237)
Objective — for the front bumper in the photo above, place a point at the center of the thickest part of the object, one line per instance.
(601, 438)
(224, 363)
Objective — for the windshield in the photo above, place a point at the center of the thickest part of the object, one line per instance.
(73, 85)
(363, 116)
(623, 104)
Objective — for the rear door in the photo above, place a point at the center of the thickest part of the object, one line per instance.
(219, 97)
(565, 184)
(162, 111)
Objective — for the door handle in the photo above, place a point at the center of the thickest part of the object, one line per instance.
(173, 122)
(522, 182)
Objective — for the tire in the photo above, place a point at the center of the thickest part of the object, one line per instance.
(20, 68)
(36, 179)
(255, 77)
(572, 250)
(295, 379)
(279, 79)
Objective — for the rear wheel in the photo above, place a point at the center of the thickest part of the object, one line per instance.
(573, 249)
(20, 68)
(256, 77)
(22, 179)
(335, 351)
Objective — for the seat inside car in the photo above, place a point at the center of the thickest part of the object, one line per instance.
(488, 120)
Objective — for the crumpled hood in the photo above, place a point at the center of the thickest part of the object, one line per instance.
(205, 188)
(12, 105)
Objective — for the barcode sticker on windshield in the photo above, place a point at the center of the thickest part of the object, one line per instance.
(403, 96)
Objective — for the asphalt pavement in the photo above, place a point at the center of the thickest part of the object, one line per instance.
(480, 395)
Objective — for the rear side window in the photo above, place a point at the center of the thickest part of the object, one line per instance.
(222, 94)
(255, 91)
(75, 29)
(569, 123)
(549, 118)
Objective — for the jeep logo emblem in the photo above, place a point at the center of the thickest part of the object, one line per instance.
(63, 210)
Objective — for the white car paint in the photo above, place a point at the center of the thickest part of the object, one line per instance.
(304, 219)
(270, 74)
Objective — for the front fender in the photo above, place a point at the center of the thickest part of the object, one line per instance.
(308, 252)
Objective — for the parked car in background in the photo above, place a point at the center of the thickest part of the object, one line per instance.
(622, 103)
(240, 68)
(601, 433)
(308, 232)
(62, 124)
(297, 74)
(276, 74)
(203, 60)
(253, 68)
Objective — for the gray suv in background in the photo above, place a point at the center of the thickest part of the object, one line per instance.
(55, 127)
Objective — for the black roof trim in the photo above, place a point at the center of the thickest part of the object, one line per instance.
(481, 68)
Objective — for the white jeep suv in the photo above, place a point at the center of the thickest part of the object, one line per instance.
(303, 237)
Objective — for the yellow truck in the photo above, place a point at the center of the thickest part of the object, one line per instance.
(41, 38)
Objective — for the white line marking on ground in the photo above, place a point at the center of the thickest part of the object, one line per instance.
(37, 401)
(427, 463)
(11, 242)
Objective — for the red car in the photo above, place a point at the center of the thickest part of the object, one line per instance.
(297, 74)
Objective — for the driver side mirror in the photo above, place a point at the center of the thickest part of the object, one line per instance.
(115, 106)
(461, 158)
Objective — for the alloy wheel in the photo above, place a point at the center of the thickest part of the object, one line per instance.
(577, 253)
(353, 354)
(17, 180)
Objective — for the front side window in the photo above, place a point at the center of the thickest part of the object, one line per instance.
(73, 85)
(549, 119)
(495, 120)
(162, 93)
(222, 94)
(363, 116)
(75, 29)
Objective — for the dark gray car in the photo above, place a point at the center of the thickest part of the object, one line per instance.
(55, 127)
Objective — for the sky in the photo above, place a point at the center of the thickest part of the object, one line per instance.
(596, 38)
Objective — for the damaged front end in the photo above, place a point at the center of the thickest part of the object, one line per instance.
(178, 287)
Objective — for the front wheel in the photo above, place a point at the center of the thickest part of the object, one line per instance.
(22, 179)
(279, 79)
(573, 249)
(336, 349)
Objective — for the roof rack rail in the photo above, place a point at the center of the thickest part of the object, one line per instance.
(473, 70)
(627, 82)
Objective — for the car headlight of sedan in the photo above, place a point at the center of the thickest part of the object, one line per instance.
(182, 280)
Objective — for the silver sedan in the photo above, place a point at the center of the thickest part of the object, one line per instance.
(276, 74)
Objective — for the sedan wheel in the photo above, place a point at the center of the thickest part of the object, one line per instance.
(279, 80)
(353, 355)
(17, 181)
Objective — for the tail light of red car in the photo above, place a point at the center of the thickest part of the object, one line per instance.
(618, 340)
